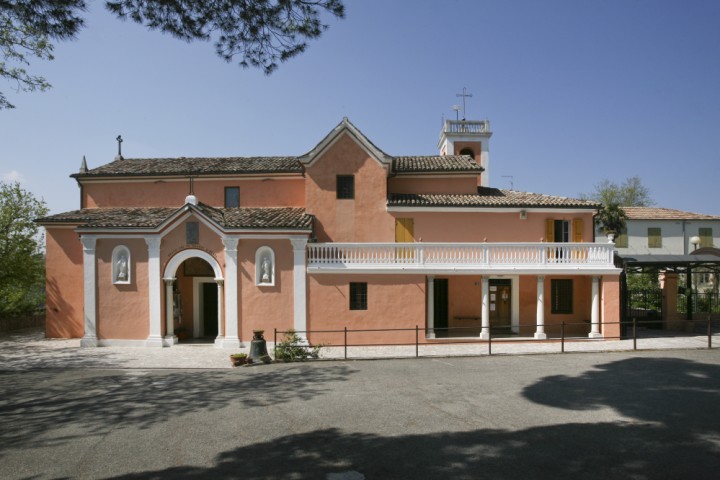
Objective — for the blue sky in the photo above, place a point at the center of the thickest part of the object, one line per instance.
(576, 91)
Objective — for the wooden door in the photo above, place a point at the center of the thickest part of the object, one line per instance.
(500, 305)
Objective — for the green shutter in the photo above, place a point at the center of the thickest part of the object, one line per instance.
(654, 237)
(706, 237)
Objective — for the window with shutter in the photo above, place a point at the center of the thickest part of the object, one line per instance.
(654, 237)
(706, 237)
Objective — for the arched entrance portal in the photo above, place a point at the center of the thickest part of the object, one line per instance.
(193, 297)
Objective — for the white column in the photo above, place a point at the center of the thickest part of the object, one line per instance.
(485, 331)
(231, 339)
(170, 338)
(155, 338)
(595, 309)
(89, 287)
(431, 306)
(299, 286)
(220, 337)
(540, 312)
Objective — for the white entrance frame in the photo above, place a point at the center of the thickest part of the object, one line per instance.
(514, 299)
(178, 259)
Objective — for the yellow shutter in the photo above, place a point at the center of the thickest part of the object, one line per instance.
(404, 230)
(577, 230)
(549, 230)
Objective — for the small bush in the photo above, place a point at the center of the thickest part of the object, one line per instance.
(291, 349)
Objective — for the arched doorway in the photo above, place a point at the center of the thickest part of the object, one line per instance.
(193, 298)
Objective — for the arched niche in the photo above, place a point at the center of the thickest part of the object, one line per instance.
(121, 265)
(265, 267)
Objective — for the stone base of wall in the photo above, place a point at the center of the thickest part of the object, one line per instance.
(19, 323)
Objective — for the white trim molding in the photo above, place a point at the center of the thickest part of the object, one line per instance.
(231, 338)
(89, 288)
(155, 338)
(299, 245)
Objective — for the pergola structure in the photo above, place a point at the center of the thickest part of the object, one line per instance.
(706, 260)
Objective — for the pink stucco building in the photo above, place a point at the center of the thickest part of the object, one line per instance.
(343, 236)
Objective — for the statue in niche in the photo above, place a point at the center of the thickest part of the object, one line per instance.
(122, 268)
(265, 270)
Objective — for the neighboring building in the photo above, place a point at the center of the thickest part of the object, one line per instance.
(343, 236)
(664, 231)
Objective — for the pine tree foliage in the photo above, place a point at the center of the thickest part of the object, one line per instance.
(261, 33)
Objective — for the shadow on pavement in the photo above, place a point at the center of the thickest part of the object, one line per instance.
(674, 432)
(33, 403)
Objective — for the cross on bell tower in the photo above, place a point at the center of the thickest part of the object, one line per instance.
(464, 95)
(119, 140)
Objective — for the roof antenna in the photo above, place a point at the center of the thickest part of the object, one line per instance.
(512, 185)
(119, 140)
(456, 108)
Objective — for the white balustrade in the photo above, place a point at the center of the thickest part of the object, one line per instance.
(323, 256)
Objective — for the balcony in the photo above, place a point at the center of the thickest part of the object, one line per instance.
(466, 126)
(462, 258)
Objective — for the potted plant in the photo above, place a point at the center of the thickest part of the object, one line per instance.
(237, 359)
(611, 218)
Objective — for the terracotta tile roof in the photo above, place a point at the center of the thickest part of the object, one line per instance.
(437, 163)
(283, 218)
(489, 198)
(132, 167)
(146, 217)
(655, 213)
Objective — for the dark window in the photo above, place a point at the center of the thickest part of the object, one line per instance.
(654, 238)
(358, 296)
(192, 233)
(232, 197)
(345, 186)
(562, 296)
(562, 231)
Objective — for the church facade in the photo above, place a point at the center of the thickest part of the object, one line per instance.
(345, 236)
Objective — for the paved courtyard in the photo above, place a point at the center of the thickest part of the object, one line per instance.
(69, 413)
(29, 349)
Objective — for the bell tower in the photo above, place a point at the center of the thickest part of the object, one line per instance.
(468, 137)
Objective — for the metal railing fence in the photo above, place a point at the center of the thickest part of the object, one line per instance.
(559, 334)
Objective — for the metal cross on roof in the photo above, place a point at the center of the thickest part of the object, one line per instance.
(464, 94)
(119, 140)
